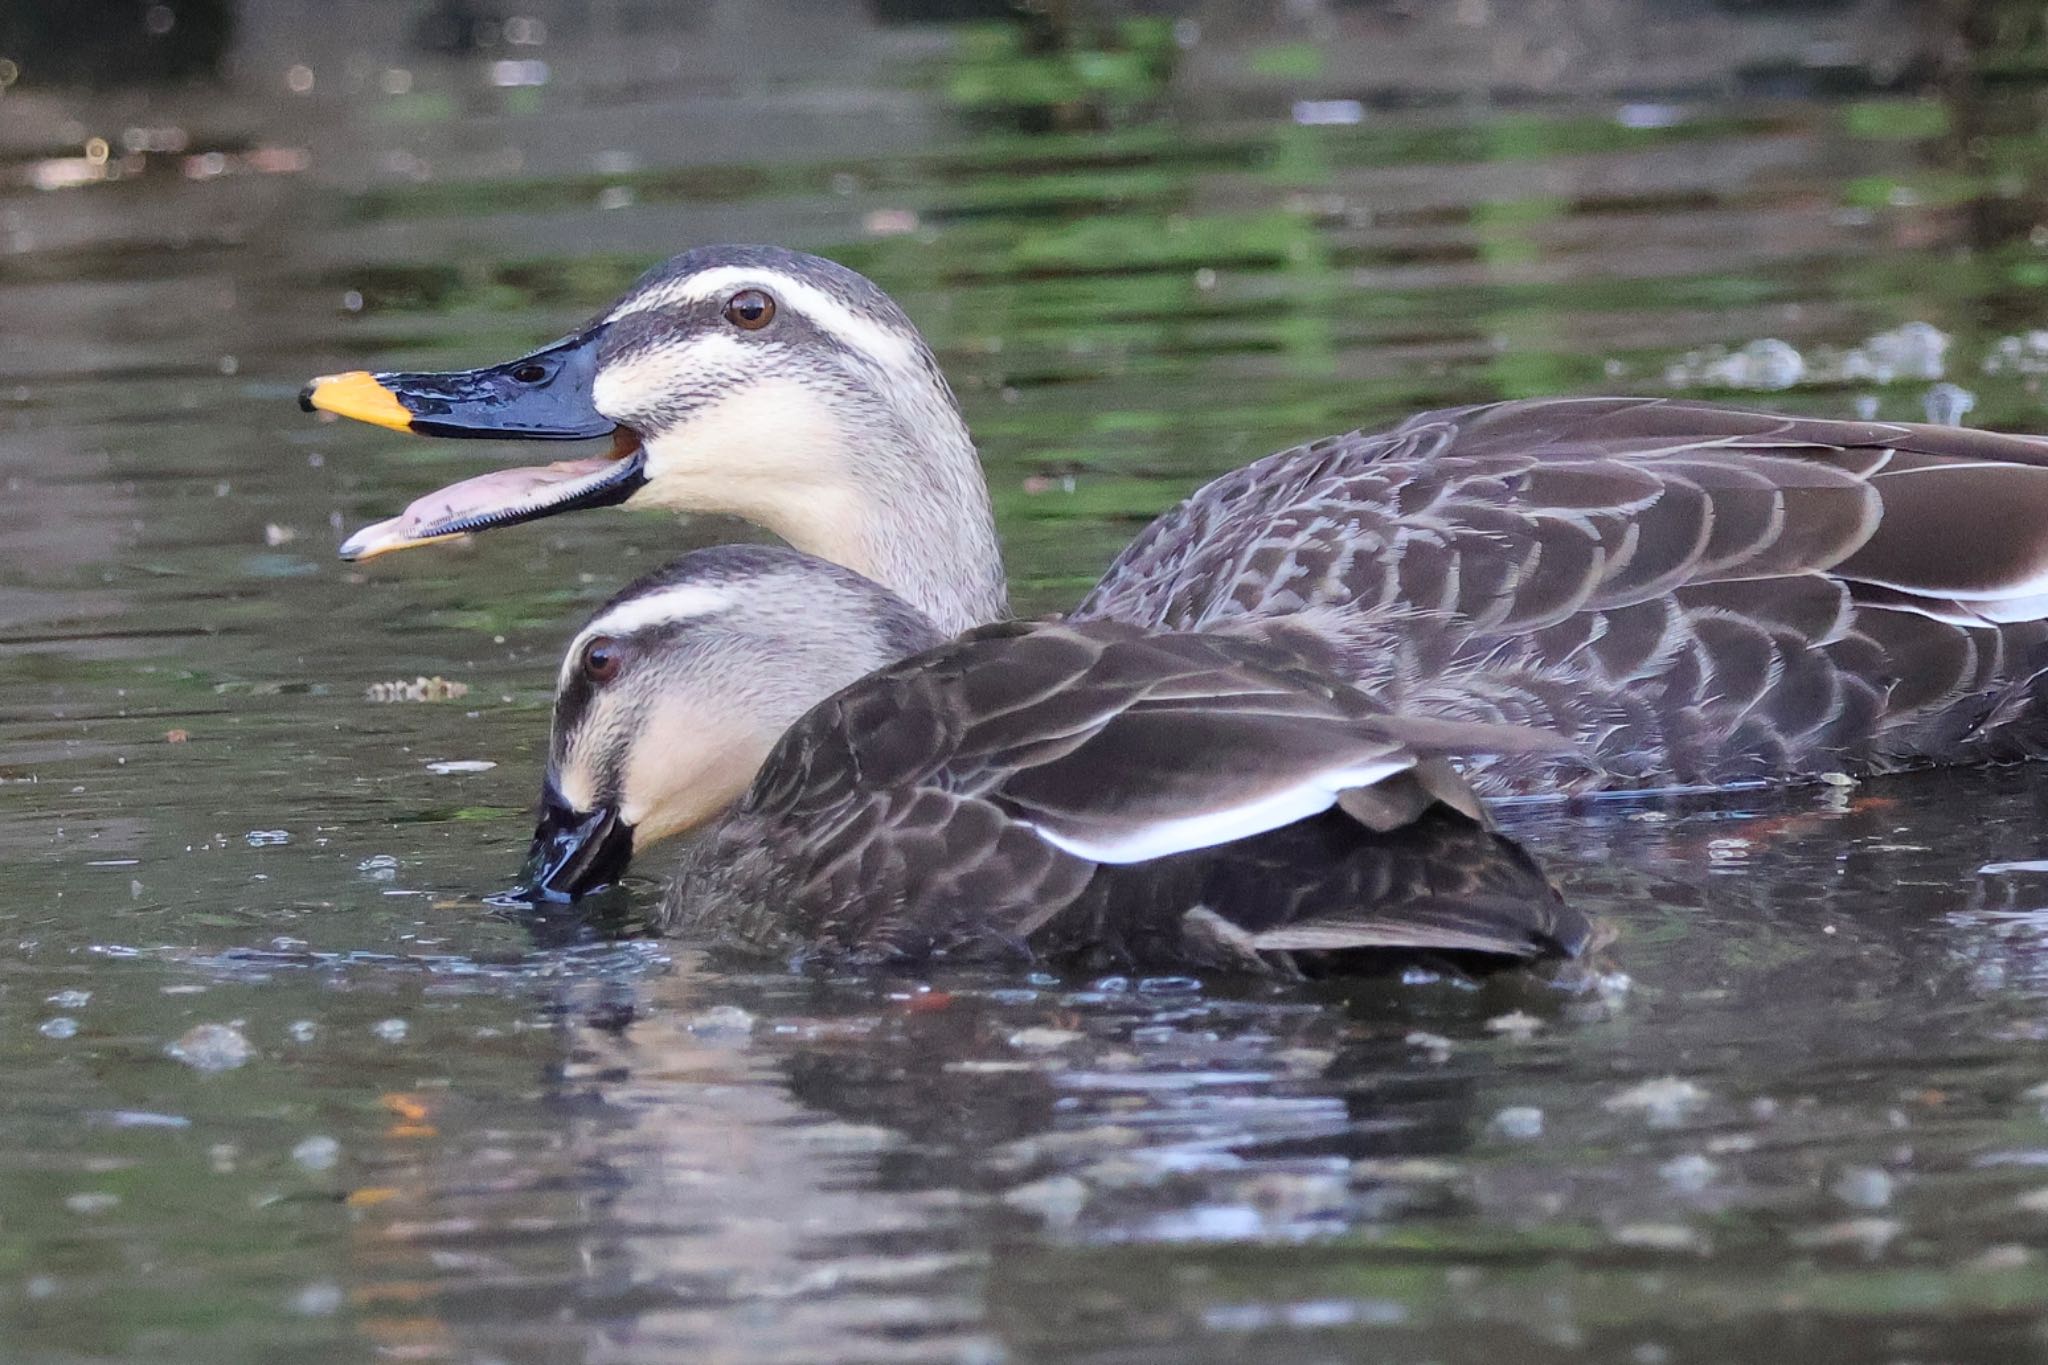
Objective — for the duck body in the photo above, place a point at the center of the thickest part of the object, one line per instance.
(1696, 595)
(1099, 795)
(1689, 594)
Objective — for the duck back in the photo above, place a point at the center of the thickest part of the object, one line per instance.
(1694, 594)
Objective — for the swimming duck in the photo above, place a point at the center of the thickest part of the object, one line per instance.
(1693, 594)
(1085, 792)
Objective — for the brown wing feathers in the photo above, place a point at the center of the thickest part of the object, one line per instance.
(891, 833)
(1696, 594)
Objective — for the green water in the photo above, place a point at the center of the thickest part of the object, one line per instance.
(1799, 1118)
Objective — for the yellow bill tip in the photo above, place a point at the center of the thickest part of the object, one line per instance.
(359, 396)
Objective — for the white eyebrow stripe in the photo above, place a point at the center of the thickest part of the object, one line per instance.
(683, 602)
(887, 345)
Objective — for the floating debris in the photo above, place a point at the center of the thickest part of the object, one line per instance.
(1867, 1235)
(1305, 1061)
(92, 1203)
(981, 1066)
(1518, 1121)
(1328, 113)
(436, 688)
(1057, 1199)
(137, 1118)
(379, 867)
(1297, 1196)
(1412, 1170)
(267, 838)
(1044, 1039)
(1863, 1187)
(1766, 363)
(320, 1299)
(212, 1047)
(1910, 351)
(1650, 116)
(865, 1137)
(177, 736)
(2025, 353)
(722, 1021)
(1037, 1150)
(1433, 1046)
(449, 766)
(391, 1030)
(317, 1153)
(302, 1030)
(1519, 1025)
(60, 1028)
(517, 73)
(1946, 404)
(1690, 1173)
(891, 222)
(1666, 1100)
(2005, 1256)
(1660, 1237)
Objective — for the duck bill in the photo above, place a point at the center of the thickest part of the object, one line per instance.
(507, 497)
(574, 852)
(545, 396)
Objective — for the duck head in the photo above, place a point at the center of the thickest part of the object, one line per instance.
(675, 691)
(752, 381)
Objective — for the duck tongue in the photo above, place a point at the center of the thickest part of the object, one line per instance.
(505, 497)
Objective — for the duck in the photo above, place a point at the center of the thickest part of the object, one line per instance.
(860, 787)
(1693, 595)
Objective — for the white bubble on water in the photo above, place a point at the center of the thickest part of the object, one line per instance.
(1947, 404)
(722, 1021)
(1518, 1121)
(317, 1153)
(1665, 1101)
(1690, 1173)
(212, 1047)
(1863, 1187)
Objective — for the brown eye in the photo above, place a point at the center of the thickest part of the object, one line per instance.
(530, 373)
(750, 309)
(602, 658)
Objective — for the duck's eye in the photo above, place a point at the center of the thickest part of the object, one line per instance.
(602, 659)
(750, 309)
(530, 373)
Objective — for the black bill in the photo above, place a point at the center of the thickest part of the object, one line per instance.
(574, 852)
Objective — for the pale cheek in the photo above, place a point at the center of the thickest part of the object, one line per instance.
(677, 780)
(759, 440)
(577, 784)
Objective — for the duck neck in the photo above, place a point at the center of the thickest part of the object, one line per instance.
(893, 493)
(917, 519)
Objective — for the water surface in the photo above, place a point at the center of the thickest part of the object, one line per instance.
(1797, 1109)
